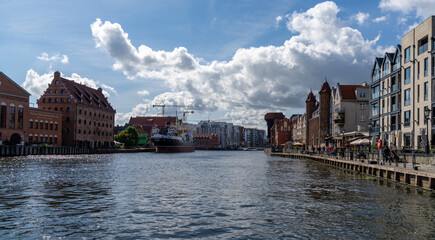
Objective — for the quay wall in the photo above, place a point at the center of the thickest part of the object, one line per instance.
(416, 178)
(10, 151)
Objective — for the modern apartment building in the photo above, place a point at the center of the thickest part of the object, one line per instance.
(349, 111)
(417, 87)
(229, 135)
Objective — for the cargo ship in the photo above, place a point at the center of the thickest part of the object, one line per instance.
(172, 140)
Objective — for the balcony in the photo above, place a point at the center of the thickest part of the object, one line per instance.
(422, 49)
(339, 120)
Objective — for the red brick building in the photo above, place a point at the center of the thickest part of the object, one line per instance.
(45, 127)
(281, 132)
(146, 124)
(87, 116)
(318, 118)
(206, 141)
(14, 111)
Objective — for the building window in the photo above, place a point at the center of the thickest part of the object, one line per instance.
(41, 125)
(11, 116)
(79, 131)
(62, 100)
(375, 109)
(50, 91)
(80, 111)
(84, 121)
(80, 121)
(426, 67)
(68, 100)
(408, 75)
(418, 93)
(426, 91)
(55, 126)
(62, 91)
(362, 105)
(36, 124)
(386, 70)
(55, 140)
(31, 124)
(362, 95)
(50, 100)
(30, 139)
(3, 116)
(20, 117)
(407, 97)
(51, 126)
(57, 91)
(57, 82)
(407, 54)
(44, 100)
(363, 118)
(407, 119)
(46, 126)
(423, 45)
(68, 109)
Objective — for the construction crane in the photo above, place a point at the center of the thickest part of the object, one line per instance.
(184, 115)
(164, 105)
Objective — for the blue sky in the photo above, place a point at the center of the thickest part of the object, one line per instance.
(224, 59)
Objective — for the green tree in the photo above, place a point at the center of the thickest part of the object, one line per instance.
(129, 136)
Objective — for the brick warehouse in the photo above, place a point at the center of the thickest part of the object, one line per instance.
(87, 116)
(45, 127)
(14, 111)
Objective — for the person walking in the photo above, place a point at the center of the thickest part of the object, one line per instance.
(387, 155)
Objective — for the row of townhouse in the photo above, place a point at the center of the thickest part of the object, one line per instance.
(402, 95)
(68, 114)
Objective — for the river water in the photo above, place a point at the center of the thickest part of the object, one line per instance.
(206, 194)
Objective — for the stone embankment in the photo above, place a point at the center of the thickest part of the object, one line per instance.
(405, 173)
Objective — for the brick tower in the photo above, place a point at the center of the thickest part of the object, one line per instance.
(324, 110)
(310, 103)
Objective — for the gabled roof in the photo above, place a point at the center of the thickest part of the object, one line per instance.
(85, 95)
(152, 121)
(378, 62)
(22, 90)
(311, 97)
(347, 92)
(397, 52)
(387, 56)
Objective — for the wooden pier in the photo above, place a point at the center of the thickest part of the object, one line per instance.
(417, 178)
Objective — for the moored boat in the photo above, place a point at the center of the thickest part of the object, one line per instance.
(171, 140)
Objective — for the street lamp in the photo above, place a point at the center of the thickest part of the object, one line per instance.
(427, 117)
(370, 143)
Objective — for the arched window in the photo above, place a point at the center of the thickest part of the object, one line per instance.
(55, 109)
(50, 100)
(57, 82)
(84, 121)
(68, 100)
(44, 100)
(79, 131)
(62, 91)
(80, 121)
(50, 91)
(68, 109)
(57, 91)
(61, 109)
(80, 111)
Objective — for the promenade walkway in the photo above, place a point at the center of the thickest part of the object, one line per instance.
(422, 176)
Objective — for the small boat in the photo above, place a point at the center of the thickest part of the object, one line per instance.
(172, 140)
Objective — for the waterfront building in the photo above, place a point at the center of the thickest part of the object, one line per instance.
(253, 137)
(418, 84)
(45, 127)
(281, 132)
(349, 112)
(271, 118)
(206, 141)
(145, 124)
(229, 135)
(14, 111)
(298, 132)
(318, 119)
(374, 98)
(87, 116)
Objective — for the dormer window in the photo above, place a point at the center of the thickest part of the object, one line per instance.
(50, 91)
(57, 82)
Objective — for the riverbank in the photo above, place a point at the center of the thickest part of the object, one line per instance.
(405, 174)
(10, 151)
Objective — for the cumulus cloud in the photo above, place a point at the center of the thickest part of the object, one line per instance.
(422, 8)
(380, 19)
(255, 80)
(36, 84)
(143, 93)
(278, 20)
(361, 17)
(55, 58)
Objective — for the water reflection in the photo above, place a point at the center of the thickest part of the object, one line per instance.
(203, 195)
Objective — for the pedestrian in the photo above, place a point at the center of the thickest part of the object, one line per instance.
(387, 154)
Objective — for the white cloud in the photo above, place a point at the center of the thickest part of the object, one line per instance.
(422, 8)
(143, 93)
(278, 20)
(55, 58)
(255, 80)
(380, 19)
(361, 17)
(36, 84)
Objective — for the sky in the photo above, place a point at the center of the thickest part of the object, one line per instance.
(226, 60)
